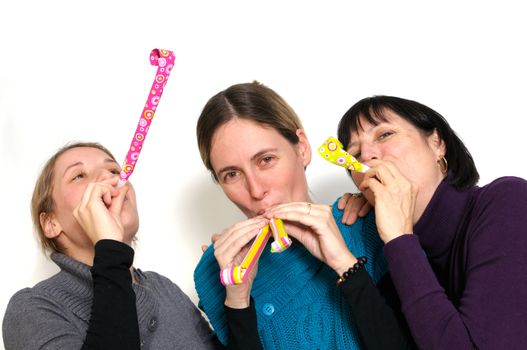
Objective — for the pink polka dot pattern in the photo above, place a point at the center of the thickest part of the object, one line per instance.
(164, 60)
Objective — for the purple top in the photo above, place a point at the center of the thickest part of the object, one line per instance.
(462, 275)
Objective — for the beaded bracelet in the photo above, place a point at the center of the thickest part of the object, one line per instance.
(361, 261)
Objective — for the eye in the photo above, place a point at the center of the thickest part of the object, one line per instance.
(385, 135)
(79, 176)
(355, 153)
(267, 160)
(230, 176)
(115, 171)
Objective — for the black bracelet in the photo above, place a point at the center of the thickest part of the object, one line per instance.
(361, 261)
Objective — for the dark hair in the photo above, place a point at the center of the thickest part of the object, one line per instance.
(462, 172)
(251, 101)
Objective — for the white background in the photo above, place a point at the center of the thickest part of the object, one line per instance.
(72, 70)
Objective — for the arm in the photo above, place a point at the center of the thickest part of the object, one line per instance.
(230, 247)
(490, 309)
(379, 325)
(243, 330)
(375, 309)
(113, 322)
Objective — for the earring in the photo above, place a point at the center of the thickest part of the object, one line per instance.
(443, 165)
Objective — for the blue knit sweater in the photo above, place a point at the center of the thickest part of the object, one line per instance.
(297, 303)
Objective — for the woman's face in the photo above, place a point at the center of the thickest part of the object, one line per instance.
(74, 170)
(412, 152)
(257, 167)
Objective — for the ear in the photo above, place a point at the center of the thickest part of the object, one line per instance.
(50, 225)
(437, 144)
(304, 148)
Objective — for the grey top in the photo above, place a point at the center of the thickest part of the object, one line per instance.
(54, 314)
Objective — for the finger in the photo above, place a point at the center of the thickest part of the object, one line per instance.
(225, 254)
(292, 206)
(108, 193)
(352, 209)
(391, 168)
(214, 237)
(234, 238)
(98, 192)
(365, 209)
(373, 185)
(86, 197)
(237, 238)
(239, 228)
(318, 214)
(343, 201)
(204, 248)
(382, 172)
(117, 202)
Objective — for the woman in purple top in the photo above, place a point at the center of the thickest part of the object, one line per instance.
(457, 253)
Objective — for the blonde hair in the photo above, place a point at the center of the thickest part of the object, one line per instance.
(42, 199)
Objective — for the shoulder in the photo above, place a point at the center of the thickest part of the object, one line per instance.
(207, 265)
(29, 297)
(503, 196)
(498, 212)
(362, 226)
(19, 302)
(159, 281)
(25, 310)
(504, 188)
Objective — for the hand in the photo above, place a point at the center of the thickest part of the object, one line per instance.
(354, 205)
(230, 248)
(213, 239)
(395, 198)
(99, 212)
(315, 228)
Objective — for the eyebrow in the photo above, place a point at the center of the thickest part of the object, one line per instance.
(255, 156)
(107, 160)
(369, 130)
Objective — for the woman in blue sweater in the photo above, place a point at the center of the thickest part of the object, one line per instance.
(254, 146)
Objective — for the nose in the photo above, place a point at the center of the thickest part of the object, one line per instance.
(368, 152)
(255, 186)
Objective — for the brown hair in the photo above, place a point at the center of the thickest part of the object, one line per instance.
(42, 199)
(251, 101)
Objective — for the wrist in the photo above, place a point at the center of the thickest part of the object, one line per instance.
(345, 264)
(359, 265)
(237, 302)
(389, 238)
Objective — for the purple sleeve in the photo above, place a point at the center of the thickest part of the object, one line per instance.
(492, 310)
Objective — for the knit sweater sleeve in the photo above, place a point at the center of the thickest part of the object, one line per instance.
(37, 320)
(113, 323)
(493, 306)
